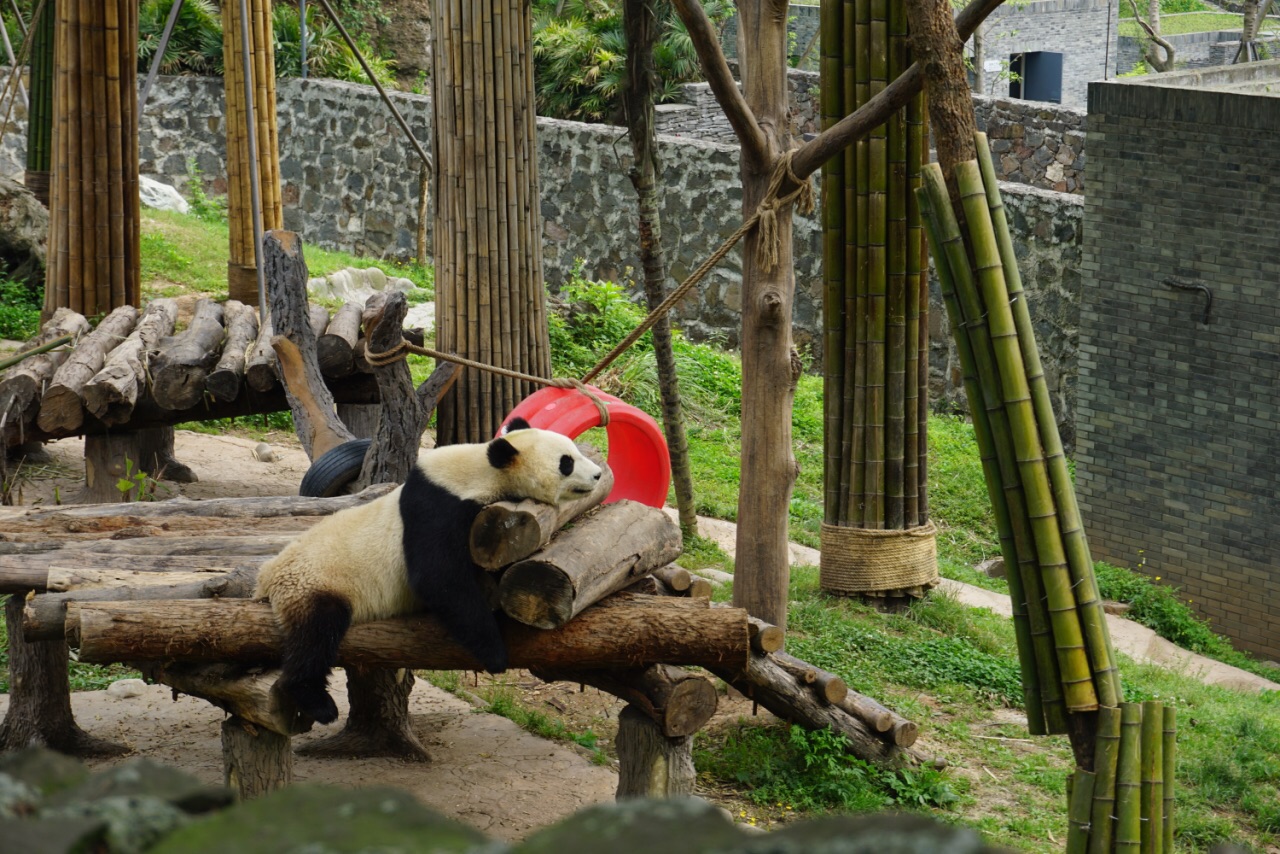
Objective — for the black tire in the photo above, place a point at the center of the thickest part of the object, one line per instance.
(334, 470)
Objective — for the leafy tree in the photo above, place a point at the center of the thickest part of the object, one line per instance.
(580, 51)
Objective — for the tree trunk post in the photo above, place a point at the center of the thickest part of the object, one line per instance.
(40, 696)
(111, 457)
(255, 760)
(650, 765)
(378, 721)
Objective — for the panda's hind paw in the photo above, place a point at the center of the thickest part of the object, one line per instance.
(322, 711)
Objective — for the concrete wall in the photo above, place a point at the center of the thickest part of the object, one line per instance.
(1176, 463)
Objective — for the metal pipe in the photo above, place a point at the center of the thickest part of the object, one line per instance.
(17, 13)
(154, 71)
(302, 34)
(13, 61)
(255, 191)
(404, 126)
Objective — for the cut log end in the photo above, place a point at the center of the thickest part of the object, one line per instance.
(537, 594)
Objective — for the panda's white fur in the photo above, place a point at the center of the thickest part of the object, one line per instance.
(409, 550)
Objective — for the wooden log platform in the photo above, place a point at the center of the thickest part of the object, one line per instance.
(620, 637)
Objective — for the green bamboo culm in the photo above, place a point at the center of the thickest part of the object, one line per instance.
(1080, 801)
(1128, 832)
(1073, 660)
(1152, 836)
(877, 273)
(1031, 672)
(917, 380)
(858, 51)
(1106, 756)
(1169, 753)
(1079, 561)
(40, 111)
(833, 241)
(895, 395)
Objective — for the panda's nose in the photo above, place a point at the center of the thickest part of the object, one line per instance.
(597, 477)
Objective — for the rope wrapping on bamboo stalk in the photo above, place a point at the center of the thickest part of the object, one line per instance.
(865, 560)
(766, 216)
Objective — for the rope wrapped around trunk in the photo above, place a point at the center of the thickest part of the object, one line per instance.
(867, 561)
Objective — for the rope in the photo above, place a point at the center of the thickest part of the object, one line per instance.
(861, 560)
(403, 348)
(766, 216)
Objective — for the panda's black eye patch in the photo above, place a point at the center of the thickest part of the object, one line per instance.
(566, 465)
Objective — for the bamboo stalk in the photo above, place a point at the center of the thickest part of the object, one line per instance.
(1169, 751)
(109, 293)
(1031, 675)
(971, 318)
(856, 370)
(1106, 755)
(1077, 677)
(917, 392)
(115, 156)
(1078, 820)
(874, 424)
(233, 92)
(896, 283)
(56, 290)
(1128, 834)
(129, 84)
(1079, 561)
(834, 320)
(1152, 791)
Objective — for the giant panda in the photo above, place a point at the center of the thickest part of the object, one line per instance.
(409, 550)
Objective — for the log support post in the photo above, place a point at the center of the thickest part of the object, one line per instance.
(255, 760)
(108, 457)
(378, 722)
(651, 765)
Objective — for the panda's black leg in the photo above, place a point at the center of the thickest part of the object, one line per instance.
(309, 653)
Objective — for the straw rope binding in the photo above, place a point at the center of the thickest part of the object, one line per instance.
(862, 560)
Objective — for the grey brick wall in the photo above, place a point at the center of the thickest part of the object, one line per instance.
(1084, 31)
(1176, 462)
(1194, 50)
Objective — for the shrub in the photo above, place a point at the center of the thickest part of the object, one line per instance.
(19, 309)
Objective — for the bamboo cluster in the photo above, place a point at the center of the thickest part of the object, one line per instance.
(40, 125)
(876, 327)
(94, 208)
(1126, 803)
(242, 278)
(1067, 661)
(490, 301)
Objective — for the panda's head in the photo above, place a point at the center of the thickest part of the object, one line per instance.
(541, 464)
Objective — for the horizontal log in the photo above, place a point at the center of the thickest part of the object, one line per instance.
(113, 392)
(62, 406)
(179, 369)
(827, 687)
(868, 711)
(608, 550)
(30, 572)
(335, 348)
(66, 579)
(242, 630)
(236, 690)
(765, 637)
(21, 385)
(261, 371)
(510, 531)
(44, 617)
(242, 331)
(677, 578)
(220, 508)
(228, 548)
(678, 701)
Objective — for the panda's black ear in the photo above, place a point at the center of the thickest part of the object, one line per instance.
(502, 453)
(515, 424)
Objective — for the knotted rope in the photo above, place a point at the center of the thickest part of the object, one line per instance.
(766, 216)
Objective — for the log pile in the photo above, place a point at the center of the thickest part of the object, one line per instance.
(132, 371)
(598, 603)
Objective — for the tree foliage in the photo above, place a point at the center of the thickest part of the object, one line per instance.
(579, 54)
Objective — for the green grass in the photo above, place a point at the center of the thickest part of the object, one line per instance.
(83, 677)
(1199, 22)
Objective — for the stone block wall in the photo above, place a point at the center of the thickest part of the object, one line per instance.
(1034, 143)
(351, 183)
(1176, 462)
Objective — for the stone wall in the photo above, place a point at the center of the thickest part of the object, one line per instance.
(1176, 463)
(350, 182)
(1035, 143)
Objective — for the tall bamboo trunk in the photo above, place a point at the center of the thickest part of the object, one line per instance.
(93, 232)
(40, 124)
(641, 22)
(490, 299)
(242, 271)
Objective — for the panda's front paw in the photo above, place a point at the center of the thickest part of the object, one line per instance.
(314, 702)
(324, 712)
